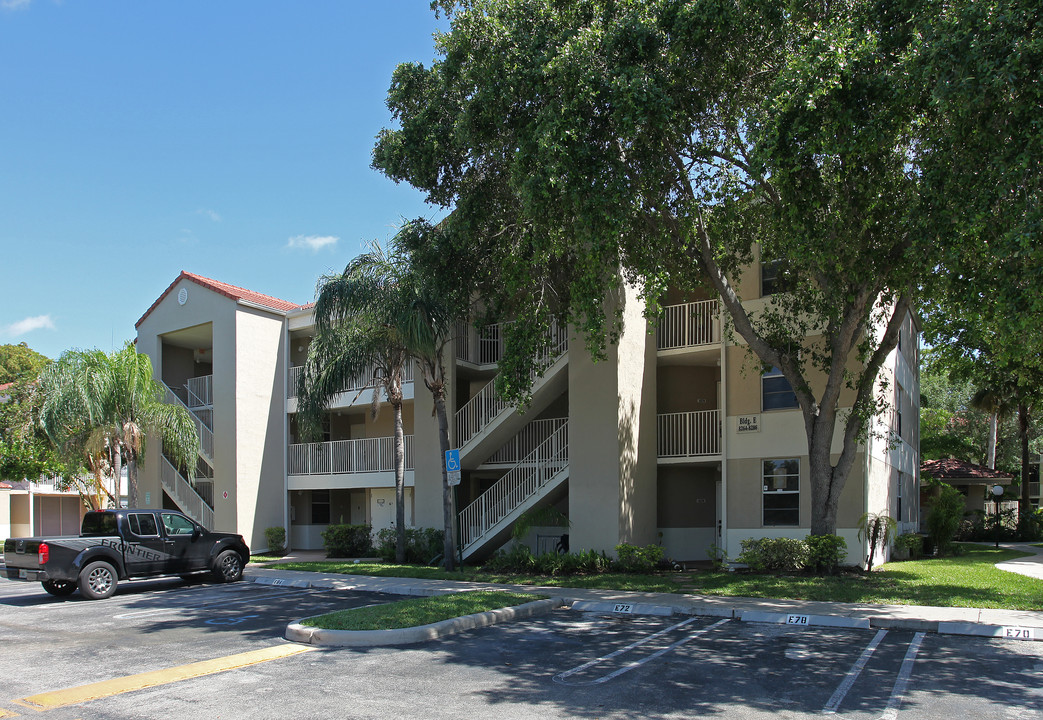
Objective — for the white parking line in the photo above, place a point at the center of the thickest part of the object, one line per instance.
(658, 653)
(852, 675)
(560, 677)
(895, 702)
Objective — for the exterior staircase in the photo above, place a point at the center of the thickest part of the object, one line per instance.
(490, 431)
(486, 523)
(196, 497)
(185, 495)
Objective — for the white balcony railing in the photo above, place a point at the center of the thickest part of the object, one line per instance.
(359, 383)
(481, 346)
(481, 409)
(203, 425)
(689, 325)
(520, 483)
(185, 496)
(347, 456)
(689, 434)
(530, 437)
(200, 391)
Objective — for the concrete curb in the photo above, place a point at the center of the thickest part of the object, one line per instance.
(1008, 632)
(799, 619)
(298, 632)
(621, 608)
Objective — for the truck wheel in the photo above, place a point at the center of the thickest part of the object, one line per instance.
(98, 580)
(228, 567)
(59, 588)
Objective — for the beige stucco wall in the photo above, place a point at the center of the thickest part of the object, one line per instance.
(260, 401)
(204, 307)
(428, 454)
(745, 493)
(686, 388)
(612, 463)
(5, 514)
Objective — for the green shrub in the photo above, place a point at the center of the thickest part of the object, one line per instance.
(1030, 526)
(943, 519)
(349, 541)
(518, 559)
(825, 553)
(909, 545)
(276, 538)
(634, 559)
(422, 544)
(774, 554)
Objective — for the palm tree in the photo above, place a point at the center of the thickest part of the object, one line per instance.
(357, 332)
(393, 311)
(997, 405)
(97, 405)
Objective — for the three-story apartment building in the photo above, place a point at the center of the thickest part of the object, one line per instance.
(676, 438)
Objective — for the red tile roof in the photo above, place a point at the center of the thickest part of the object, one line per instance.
(949, 469)
(231, 291)
(5, 486)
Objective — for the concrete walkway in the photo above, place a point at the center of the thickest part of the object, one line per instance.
(962, 620)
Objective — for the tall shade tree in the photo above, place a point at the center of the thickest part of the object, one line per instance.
(99, 406)
(25, 450)
(675, 144)
(379, 314)
(20, 363)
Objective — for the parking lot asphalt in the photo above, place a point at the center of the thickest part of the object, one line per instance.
(163, 648)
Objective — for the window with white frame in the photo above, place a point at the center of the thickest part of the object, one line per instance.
(776, 392)
(781, 482)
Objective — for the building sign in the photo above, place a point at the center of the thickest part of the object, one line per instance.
(749, 423)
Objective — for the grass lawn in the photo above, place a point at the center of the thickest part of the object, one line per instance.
(969, 580)
(419, 611)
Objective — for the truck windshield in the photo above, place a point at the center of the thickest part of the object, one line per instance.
(99, 523)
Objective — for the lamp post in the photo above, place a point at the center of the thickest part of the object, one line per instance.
(997, 492)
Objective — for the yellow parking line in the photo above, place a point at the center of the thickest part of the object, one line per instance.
(7, 713)
(130, 683)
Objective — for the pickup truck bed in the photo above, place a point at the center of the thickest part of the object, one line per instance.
(122, 544)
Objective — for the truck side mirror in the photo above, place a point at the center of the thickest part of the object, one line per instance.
(196, 532)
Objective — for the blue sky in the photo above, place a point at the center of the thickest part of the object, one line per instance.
(231, 139)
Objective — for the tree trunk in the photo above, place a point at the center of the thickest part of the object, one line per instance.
(449, 547)
(117, 473)
(1023, 434)
(400, 486)
(993, 432)
(132, 481)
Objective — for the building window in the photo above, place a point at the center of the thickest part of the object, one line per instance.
(781, 480)
(773, 277)
(320, 507)
(776, 392)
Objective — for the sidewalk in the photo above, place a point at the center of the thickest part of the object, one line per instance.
(959, 620)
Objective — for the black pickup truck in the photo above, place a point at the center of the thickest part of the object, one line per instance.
(121, 544)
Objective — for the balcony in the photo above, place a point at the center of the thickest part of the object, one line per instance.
(343, 457)
(680, 436)
(689, 325)
(360, 383)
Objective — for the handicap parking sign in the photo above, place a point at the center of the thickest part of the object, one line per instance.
(452, 466)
